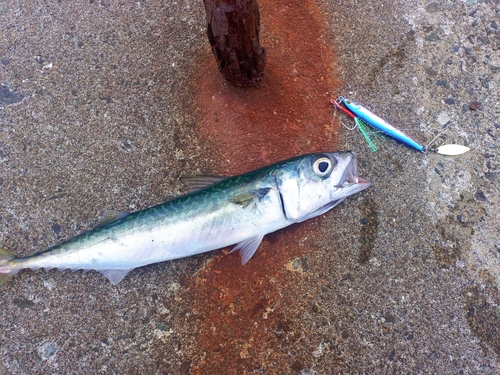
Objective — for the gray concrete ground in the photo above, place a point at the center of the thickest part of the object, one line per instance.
(401, 279)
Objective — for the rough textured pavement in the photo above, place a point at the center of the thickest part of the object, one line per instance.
(97, 112)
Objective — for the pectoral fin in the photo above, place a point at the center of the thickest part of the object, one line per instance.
(247, 198)
(247, 248)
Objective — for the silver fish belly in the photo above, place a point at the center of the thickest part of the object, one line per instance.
(237, 210)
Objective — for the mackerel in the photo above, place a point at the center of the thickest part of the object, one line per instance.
(238, 210)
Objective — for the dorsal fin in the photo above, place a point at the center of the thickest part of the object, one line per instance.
(194, 183)
(112, 215)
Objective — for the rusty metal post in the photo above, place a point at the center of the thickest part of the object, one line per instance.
(233, 32)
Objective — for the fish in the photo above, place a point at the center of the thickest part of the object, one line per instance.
(238, 211)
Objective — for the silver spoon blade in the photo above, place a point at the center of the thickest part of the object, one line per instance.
(452, 149)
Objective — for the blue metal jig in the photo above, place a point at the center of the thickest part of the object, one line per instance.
(380, 124)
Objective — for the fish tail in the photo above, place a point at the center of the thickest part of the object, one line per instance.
(7, 269)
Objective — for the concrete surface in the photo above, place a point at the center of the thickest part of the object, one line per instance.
(96, 113)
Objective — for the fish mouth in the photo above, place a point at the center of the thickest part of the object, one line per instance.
(350, 177)
(350, 183)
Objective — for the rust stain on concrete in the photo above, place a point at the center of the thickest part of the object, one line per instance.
(287, 114)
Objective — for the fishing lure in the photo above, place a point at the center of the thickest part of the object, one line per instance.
(357, 111)
(362, 126)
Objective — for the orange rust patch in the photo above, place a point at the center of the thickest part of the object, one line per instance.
(240, 309)
(287, 114)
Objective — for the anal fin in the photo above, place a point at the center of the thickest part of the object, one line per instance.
(114, 275)
(247, 248)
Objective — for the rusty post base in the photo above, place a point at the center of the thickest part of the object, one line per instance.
(233, 32)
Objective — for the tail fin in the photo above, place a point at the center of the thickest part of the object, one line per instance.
(6, 270)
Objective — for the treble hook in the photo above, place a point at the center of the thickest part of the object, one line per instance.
(450, 149)
(439, 135)
(345, 110)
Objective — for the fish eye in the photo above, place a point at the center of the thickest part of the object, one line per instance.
(323, 166)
